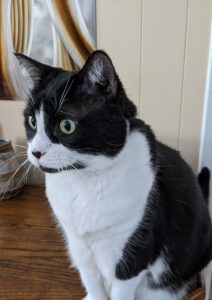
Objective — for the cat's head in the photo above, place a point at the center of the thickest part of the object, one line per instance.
(75, 119)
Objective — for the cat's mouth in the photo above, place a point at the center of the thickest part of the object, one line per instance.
(75, 166)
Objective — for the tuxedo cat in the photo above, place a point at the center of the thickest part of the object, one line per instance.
(132, 212)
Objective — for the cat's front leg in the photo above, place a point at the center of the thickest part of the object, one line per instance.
(89, 273)
(125, 289)
(93, 282)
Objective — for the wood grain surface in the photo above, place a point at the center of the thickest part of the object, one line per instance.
(33, 260)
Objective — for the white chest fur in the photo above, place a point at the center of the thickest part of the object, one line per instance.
(89, 201)
(104, 207)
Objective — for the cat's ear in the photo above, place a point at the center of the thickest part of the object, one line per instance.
(31, 70)
(99, 72)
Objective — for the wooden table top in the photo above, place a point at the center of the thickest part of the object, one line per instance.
(33, 262)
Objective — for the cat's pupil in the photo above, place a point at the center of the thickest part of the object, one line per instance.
(67, 125)
(33, 121)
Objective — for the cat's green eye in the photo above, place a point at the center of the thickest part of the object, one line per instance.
(32, 122)
(67, 126)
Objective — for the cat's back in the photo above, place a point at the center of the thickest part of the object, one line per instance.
(187, 222)
(177, 180)
(180, 217)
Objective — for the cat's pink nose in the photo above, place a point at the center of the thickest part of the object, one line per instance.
(38, 154)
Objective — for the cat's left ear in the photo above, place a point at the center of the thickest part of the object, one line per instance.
(30, 70)
(99, 72)
(33, 71)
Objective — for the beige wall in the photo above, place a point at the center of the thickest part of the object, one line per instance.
(12, 128)
(160, 49)
(11, 121)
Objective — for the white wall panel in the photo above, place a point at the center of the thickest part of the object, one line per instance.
(194, 85)
(163, 47)
(160, 49)
(119, 33)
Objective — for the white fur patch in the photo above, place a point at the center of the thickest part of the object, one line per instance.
(158, 268)
(102, 206)
(96, 72)
(27, 78)
(40, 142)
(126, 289)
(158, 294)
(29, 71)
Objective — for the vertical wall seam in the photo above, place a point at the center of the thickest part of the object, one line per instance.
(206, 104)
(183, 76)
(140, 59)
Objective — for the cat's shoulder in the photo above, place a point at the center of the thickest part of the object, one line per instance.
(162, 155)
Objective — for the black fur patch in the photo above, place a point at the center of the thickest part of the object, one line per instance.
(100, 109)
(75, 166)
(176, 225)
(204, 181)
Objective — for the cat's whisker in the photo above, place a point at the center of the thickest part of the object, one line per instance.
(19, 153)
(18, 169)
(75, 169)
(63, 94)
(21, 146)
(79, 173)
(22, 177)
(7, 185)
(84, 162)
(27, 174)
(67, 91)
(30, 95)
(118, 145)
(35, 169)
(62, 102)
(11, 158)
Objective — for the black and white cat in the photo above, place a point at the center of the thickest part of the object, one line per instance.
(134, 217)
